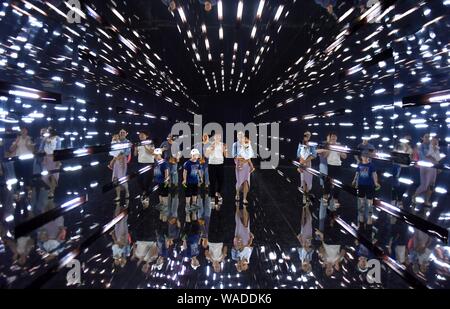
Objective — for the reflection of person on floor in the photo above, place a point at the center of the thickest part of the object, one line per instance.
(363, 255)
(366, 181)
(191, 241)
(20, 248)
(330, 252)
(419, 251)
(192, 178)
(305, 237)
(163, 244)
(145, 158)
(216, 251)
(306, 153)
(428, 152)
(52, 235)
(243, 239)
(119, 164)
(328, 5)
(121, 238)
(243, 153)
(161, 178)
(145, 252)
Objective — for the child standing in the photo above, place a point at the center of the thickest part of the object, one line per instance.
(192, 177)
(366, 181)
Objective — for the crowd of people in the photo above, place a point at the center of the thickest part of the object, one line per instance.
(415, 251)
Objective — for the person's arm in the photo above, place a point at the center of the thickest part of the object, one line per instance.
(251, 239)
(184, 175)
(375, 179)
(209, 150)
(149, 149)
(13, 147)
(225, 150)
(355, 179)
(200, 174)
(166, 176)
(224, 252)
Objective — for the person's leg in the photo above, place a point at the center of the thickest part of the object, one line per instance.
(431, 180)
(245, 217)
(212, 180)
(246, 189)
(141, 180)
(220, 178)
(423, 183)
(127, 192)
(361, 211)
(369, 211)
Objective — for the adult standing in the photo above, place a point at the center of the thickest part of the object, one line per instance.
(144, 152)
(171, 156)
(119, 164)
(334, 161)
(216, 153)
(202, 147)
(23, 146)
(306, 154)
(243, 153)
(429, 153)
(51, 143)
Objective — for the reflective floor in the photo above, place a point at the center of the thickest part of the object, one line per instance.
(81, 84)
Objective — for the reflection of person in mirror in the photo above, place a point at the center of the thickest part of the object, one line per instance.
(243, 154)
(23, 146)
(51, 143)
(243, 240)
(145, 157)
(306, 153)
(397, 170)
(119, 163)
(305, 238)
(366, 182)
(427, 151)
(329, 5)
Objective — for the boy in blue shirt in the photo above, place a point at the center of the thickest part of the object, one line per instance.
(366, 181)
(192, 177)
(161, 179)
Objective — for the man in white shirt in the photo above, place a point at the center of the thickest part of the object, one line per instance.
(144, 152)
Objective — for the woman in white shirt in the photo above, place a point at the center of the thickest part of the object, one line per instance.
(244, 168)
(51, 143)
(216, 154)
(23, 146)
(334, 162)
(144, 152)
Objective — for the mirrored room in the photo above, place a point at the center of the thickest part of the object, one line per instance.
(224, 144)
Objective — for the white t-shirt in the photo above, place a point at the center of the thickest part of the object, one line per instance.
(215, 250)
(332, 253)
(245, 254)
(246, 152)
(22, 148)
(334, 158)
(143, 155)
(50, 145)
(216, 156)
(434, 153)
